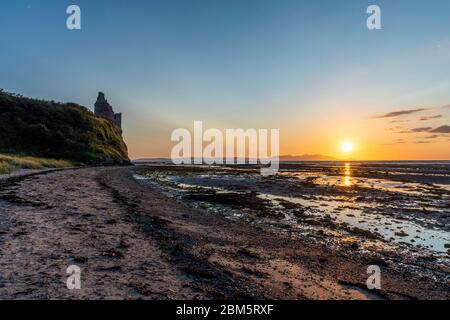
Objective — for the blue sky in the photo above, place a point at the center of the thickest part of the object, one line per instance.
(235, 63)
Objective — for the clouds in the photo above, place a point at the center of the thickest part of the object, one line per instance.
(407, 125)
(416, 135)
(406, 112)
(442, 129)
(399, 121)
(423, 129)
(399, 113)
(426, 118)
(434, 132)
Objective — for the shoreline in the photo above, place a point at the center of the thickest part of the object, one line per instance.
(131, 241)
(26, 172)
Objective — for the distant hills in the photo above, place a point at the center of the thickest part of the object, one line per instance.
(58, 130)
(305, 157)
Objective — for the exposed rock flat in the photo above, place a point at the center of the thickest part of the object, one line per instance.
(132, 242)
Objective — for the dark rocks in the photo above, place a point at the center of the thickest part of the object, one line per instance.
(248, 254)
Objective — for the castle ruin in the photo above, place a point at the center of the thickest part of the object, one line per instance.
(105, 110)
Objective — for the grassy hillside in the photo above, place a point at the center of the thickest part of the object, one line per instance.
(9, 163)
(59, 131)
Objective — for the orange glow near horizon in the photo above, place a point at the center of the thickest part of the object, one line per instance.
(337, 136)
(369, 148)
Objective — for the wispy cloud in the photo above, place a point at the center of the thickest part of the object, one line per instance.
(397, 141)
(400, 121)
(441, 129)
(399, 113)
(423, 129)
(405, 112)
(425, 118)
(420, 140)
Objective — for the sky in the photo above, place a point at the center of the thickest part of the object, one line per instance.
(309, 68)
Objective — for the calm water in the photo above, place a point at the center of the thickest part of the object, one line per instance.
(402, 203)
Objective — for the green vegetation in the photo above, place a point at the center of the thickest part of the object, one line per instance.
(11, 163)
(48, 129)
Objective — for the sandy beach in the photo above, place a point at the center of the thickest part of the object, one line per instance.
(132, 240)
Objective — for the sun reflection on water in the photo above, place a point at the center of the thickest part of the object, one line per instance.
(347, 179)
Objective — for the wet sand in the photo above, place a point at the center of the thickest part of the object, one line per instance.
(133, 240)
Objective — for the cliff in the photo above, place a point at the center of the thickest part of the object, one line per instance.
(58, 130)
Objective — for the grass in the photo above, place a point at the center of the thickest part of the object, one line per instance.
(54, 130)
(10, 163)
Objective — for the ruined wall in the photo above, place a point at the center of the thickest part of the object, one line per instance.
(103, 109)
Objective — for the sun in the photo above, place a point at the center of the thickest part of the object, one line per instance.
(347, 147)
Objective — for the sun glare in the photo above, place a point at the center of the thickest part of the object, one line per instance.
(347, 147)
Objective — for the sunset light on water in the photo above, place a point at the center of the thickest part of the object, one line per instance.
(230, 157)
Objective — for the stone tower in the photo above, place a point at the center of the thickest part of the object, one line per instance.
(104, 109)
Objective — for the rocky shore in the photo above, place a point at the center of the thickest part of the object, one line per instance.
(131, 241)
